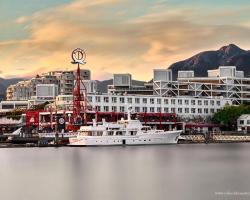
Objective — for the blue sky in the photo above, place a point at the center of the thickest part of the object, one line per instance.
(118, 35)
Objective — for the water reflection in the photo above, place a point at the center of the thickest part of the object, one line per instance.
(141, 172)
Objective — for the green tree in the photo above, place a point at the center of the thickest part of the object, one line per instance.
(227, 117)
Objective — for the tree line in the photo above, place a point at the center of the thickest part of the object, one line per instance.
(227, 116)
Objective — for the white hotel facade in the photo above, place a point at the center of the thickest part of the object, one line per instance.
(184, 107)
(188, 96)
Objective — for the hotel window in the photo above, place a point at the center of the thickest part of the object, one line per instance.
(166, 110)
(206, 102)
(180, 101)
(97, 99)
(199, 110)
(98, 108)
(114, 109)
(165, 101)
(192, 110)
(152, 101)
(158, 101)
(212, 102)
(186, 102)
(106, 99)
(192, 102)
(248, 121)
(241, 121)
(122, 100)
(179, 110)
(158, 109)
(186, 110)
(172, 110)
(122, 109)
(144, 109)
(152, 109)
(172, 101)
(218, 103)
(199, 102)
(144, 100)
(129, 100)
(212, 110)
(113, 99)
(106, 109)
(89, 99)
(137, 100)
(137, 109)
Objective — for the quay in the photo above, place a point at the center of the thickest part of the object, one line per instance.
(214, 138)
(184, 139)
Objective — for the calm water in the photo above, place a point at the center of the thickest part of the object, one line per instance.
(199, 171)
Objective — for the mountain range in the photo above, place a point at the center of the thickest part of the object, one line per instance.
(199, 63)
(230, 55)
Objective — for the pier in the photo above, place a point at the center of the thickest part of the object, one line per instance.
(214, 138)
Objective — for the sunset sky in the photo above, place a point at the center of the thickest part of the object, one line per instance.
(119, 36)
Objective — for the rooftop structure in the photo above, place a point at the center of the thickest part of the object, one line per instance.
(224, 82)
(122, 84)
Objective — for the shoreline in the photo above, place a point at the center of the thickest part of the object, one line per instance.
(33, 145)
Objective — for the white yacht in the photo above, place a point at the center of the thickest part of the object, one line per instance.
(124, 132)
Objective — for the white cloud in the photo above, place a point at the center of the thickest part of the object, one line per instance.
(114, 42)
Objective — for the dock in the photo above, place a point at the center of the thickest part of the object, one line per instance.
(214, 138)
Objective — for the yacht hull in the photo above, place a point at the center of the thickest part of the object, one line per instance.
(169, 137)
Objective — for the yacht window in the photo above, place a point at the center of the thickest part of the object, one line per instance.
(99, 133)
(132, 132)
(86, 133)
(110, 132)
(119, 133)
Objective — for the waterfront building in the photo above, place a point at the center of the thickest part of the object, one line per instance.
(243, 123)
(224, 82)
(184, 107)
(189, 97)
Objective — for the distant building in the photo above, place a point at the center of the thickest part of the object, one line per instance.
(10, 105)
(122, 80)
(90, 86)
(46, 91)
(25, 90)
(243, 123)
(122, 84)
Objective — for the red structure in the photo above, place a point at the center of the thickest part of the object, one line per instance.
(79, 96)
(32, 118)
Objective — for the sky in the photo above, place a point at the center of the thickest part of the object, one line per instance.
(119, 36)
